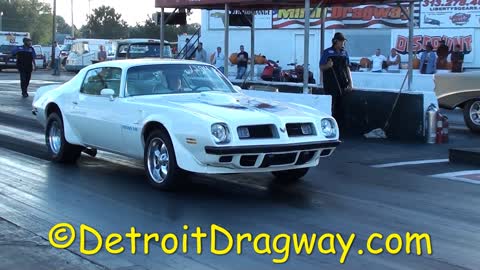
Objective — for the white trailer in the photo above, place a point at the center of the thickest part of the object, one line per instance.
(84, 51)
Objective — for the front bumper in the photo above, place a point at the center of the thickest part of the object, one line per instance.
(265, 158)
(277, 148)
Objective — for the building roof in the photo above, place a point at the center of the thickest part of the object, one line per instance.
(264, 4)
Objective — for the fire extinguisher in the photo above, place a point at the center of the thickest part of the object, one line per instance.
(445, 127)
(442, 129)
(431, 124)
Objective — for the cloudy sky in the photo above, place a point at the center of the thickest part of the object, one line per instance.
(132, 11)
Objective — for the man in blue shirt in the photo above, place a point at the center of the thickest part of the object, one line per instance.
(337, 79)
(428, 61)
(25, 56)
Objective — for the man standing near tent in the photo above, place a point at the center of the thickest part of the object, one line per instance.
(242, 64)
(218, 59)
(25, 63)
(201, 54)
(337, 79)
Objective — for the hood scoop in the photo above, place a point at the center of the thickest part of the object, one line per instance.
(219, 99)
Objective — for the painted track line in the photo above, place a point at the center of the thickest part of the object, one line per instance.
(414, 162)
(39, 139)
(457, 176)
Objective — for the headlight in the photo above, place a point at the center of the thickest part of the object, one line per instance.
(328, 128)
(220, 133)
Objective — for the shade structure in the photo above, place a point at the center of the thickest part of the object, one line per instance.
(264, 4)
(277, 4)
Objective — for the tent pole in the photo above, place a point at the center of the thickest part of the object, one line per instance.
(322, 36)
(410, 45)
(252, 42)
(226, 41)
(162, 31)
(306, 45)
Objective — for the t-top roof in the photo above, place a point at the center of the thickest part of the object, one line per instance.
(264, 4)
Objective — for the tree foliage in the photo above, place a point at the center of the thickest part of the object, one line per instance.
(31, 16)
(106, 23)
(149, 29)
(35, 17)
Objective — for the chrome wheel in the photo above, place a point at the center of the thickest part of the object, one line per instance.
(158, 159)
(475, 112)
(55, 137)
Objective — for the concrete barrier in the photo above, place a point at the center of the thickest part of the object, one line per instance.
(365, 109)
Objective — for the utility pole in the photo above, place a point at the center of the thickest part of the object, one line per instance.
(73, 28)
(54, 30)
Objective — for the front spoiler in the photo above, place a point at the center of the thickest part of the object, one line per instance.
(276, 148)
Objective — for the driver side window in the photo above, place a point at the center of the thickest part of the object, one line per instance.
(101, 78)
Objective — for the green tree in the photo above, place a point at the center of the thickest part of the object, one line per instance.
(106, 23)
(31, 16)
(150, 29)
(62, 26)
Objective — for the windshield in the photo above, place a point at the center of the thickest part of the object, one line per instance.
(175, 79)
(66, 47)
(7, 49)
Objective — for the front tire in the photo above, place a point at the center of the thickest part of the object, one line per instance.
(58, 148)
(160, 161)
(471, 114)
(290, 176)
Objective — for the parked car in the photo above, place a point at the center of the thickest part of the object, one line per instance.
(460, 90)
(7, 60)
(180, 116)
(41, 57)
(139, 48)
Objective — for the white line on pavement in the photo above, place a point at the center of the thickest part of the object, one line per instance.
(406, 163)
(39, 138)
(25, 135)
(455, 176)
(32, 82)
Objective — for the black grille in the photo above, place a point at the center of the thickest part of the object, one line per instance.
(259, 132)
(325, 152)
(248, 160)
(305, 157)
(278, 159)
(225, 159)
(295, 129)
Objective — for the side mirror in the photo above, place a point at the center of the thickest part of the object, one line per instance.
(238, 88)
(107, 93)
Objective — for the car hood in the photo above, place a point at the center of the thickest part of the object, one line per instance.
(232, 107)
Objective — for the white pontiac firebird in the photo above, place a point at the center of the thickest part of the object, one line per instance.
(180, 116)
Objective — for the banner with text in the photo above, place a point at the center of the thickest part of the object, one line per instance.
(452, 37)
(450, 13)
(364, 16)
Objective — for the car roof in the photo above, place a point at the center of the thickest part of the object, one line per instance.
(127, 63)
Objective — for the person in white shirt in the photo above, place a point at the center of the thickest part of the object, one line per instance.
(56, 65)
(377, 61)
(219, 60)
(394, 60)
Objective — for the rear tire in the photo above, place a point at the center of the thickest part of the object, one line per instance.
(471, 115)
(58, 148)
(290, 176)
(160, 161)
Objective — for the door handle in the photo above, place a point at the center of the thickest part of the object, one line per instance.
(75, 103)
